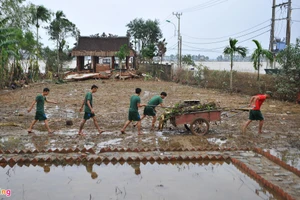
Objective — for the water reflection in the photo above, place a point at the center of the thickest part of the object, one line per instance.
(164, 180)
(136, 167)
(89, 169)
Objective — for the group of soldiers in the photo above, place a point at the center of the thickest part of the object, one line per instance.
(87, 104)
(133, 113)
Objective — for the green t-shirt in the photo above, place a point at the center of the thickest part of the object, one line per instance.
(154, 101)
(40, 101)
(88, 96)
(134, 100)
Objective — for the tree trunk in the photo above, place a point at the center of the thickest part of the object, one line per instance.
(37, 45)
(231, 66)
(120, 66)
(57, 60)
(258, 68)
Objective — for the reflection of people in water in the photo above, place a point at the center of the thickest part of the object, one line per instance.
(45, 166)
(136, 167)
(46, 169)
(89, 169)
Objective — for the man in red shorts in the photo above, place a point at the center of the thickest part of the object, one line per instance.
(255, 113)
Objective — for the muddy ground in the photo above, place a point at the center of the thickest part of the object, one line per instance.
(111, 103)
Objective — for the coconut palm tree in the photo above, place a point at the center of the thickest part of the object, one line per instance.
(231, 50)
(39, 13)
(258, 54)
(60, 29)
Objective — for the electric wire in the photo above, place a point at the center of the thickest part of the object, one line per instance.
(278, 31)
(230, 34)
(203, 6)
(227, 39)
(199, 49)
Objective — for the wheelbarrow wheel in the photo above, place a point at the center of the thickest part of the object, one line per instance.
(199, 126)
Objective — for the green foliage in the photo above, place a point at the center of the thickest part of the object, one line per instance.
(148, 77)
(187, 60)
(17, 13)
(123, 52)
(8, 49)
(257, 56)
(149, 52)
(27, 45)
(288, 80)
(231, 50)
(59, 30)
(39, 13)
(146, 32)
(185, 108)
(145, 36)
(200, 73)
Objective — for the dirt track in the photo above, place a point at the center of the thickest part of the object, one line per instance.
(111, 103)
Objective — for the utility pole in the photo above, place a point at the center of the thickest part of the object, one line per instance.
(272, 32)
(179, 39)
(288, 23)
(272, 27)
(288, 19)
(180, 56)
(288, 26)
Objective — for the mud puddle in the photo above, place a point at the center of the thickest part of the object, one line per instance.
(135, 180)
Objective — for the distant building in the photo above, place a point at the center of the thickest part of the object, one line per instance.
(99, 48)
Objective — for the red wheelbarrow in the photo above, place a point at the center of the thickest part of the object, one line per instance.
(197, 122)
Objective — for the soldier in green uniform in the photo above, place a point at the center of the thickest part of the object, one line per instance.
(88, 110)
(133, 114)
(149, 109)
(40, 112)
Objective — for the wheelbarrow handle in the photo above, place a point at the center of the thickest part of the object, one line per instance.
(160, 106)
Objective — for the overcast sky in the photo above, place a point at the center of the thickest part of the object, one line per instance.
(205, 25)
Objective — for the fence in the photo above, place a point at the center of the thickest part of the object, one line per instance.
(161, 71)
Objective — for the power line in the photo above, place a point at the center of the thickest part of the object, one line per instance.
(227, 39)
(281, 24)
(173, 46)
(255, 36)
(203, 5)
(227, 45)
(202, 50)
(230, 34)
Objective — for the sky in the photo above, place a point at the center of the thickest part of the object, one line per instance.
(205, 25)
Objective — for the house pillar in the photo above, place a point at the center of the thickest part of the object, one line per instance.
(127, 62)
(80, 63)
(95, 60)
(113, 62)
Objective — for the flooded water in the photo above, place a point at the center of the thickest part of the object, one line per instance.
(161, 181)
